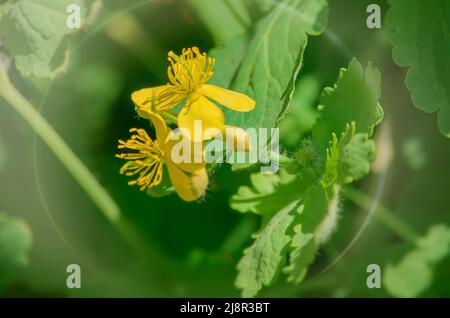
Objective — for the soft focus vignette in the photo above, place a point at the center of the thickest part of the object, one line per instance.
(362, 175)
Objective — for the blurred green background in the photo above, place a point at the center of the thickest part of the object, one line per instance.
(191, 249)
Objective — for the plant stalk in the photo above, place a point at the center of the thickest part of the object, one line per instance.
(67, 157)
(384, 215)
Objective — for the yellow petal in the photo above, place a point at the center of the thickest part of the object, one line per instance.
(207, 115)
(190, 167)
(233, 100)
(162, 131)
(195, 160)
(187, 187)
(144, 96)
(239, 137)
(156, 98)
(199, 182)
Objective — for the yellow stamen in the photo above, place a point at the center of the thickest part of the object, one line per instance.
(177, 59)
(189, 71)
(146, 162)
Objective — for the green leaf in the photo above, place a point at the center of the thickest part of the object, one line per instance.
(408, 278)
(421, 42)
(414, 273)
(15, 244)
(313, 185)
(356, 158)
(436, 244)
(349, 110)
(265, 5)
(305, 249)
(304, 245)
(272, 60)
(33, 31)
(303, 114)
(354, 98)
(262, 260)
(269, 192)
(220, 18)
(349, 158)
(15, 240)
(228, 60)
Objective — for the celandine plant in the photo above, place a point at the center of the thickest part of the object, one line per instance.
(249, 126)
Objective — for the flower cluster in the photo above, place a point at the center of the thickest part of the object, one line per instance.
(188, 76)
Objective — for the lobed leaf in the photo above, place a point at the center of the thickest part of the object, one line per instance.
(269, 193)
(313, 186)
(421, 42)
(349, 158)
(353, 98)
(414, 273)
(33, 31)
(304, 244)
(262, 260)
(303, 254)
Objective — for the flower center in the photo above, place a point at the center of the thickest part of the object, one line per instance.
(146, 161)
(190, 70)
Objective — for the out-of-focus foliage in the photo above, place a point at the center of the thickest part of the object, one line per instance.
(34, 31)
(15, 244)
(88, 86)
(3, 155)
(303, 114)
(414, 153)
(431, 249)
(421, 42)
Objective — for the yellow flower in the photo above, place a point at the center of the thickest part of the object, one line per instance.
(239, 138)
(189, 179)
(188, 75)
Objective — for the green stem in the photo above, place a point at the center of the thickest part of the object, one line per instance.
(72, 163)
(384, 215)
